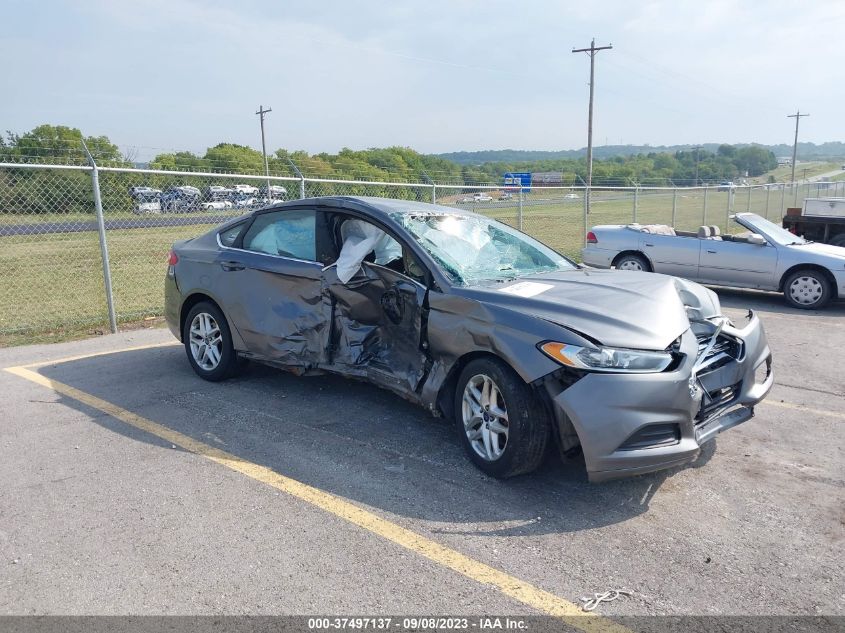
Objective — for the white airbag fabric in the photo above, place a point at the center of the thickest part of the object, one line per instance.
(359, 239)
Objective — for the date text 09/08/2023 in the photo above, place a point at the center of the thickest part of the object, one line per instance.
(482, 623)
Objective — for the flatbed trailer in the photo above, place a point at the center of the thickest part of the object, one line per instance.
(820, 220)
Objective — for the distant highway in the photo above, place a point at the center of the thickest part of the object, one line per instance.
(43, 228)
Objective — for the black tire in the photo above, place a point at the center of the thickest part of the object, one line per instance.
(633, 260)
(812, 289)
(527, 420)
(838, 240)
(228, 363)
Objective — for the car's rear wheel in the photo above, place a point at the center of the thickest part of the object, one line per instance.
(807, 289)
(503, 427)
(208, 342)
(632, 262)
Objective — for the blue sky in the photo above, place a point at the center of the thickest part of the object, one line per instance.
(158, 75)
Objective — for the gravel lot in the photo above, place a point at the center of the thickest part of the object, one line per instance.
(98, 517)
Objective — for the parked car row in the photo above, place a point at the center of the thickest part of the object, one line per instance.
(185, 198)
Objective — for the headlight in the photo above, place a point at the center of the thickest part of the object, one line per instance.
(607, 358)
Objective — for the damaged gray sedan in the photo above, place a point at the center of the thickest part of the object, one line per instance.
(474, 321)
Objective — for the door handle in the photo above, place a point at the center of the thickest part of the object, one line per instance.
(649, 244)
(231, 266)
(711, 252)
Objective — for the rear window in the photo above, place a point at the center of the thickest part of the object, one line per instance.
(284, 233)
(230, 235)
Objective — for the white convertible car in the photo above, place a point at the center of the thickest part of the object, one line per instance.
(761, 255)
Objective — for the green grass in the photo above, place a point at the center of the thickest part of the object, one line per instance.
(52, 285)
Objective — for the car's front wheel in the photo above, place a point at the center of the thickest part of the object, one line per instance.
(503, 427)
(208, 342)
(808, 289)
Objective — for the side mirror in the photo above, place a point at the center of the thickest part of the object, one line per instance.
(756, 238)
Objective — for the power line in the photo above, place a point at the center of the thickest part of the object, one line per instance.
(592, 50)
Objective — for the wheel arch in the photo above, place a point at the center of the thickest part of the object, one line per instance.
(828, 275)
(636, 252)
(188, 304)
(446, 393)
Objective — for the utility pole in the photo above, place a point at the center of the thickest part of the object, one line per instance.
(797, 116)
(261, 112)
(592, 50)
(696, 148)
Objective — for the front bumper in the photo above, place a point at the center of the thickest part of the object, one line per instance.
(616, 416)
(839, 276)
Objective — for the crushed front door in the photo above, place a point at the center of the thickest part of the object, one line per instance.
(376, 326)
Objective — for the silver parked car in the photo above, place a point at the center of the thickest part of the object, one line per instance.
(475, 321)
(763, 256)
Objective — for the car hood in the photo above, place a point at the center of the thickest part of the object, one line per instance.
(628, 309)
(825, 250)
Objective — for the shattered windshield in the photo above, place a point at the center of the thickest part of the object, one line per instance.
(472, 249)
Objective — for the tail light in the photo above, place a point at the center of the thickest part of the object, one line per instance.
(172, 258)
(591, 238)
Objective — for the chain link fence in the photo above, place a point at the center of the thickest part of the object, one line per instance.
(54, 277)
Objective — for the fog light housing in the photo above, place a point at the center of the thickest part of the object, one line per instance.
(763, 371)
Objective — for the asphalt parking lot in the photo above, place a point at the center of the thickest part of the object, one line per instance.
(132, 486)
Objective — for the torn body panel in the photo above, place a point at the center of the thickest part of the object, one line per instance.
(376, 327)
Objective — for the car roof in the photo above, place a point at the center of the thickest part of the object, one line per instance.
(379, 207)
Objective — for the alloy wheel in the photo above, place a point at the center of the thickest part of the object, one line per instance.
(206, 341)
(485, 417)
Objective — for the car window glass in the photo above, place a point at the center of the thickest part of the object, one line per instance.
(285, 233)
(228, 237)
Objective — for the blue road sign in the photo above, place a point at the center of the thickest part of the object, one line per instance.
(516, 180)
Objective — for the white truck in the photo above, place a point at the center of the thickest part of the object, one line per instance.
(820, 220)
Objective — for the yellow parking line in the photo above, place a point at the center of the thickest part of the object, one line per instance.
(511, 586)
(801, 407)
(67, 359)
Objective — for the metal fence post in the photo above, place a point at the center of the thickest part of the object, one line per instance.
(104, 247)
(748, 206)
(636, 201)
(519, 213)
(704, 212)
(301, 177)
(674, 205)
(433, 193)
(768, 194)
(782, 200)
(586, 211)
(728, 208)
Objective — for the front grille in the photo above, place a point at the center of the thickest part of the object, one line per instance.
(716, 399)
(724, 350)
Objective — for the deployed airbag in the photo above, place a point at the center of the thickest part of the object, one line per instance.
(359, 240)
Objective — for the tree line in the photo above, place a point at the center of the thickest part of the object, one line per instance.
(34, 191)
